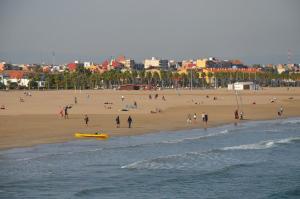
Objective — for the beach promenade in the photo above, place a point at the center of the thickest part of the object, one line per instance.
(37, 119)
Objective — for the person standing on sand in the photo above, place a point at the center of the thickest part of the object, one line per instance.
(206, 118)
(122, 98)
(118, 122)
(189, 119)
(66, 112)
(86, 120)
(75, 100)
(61, 112)
(236, 114)
(281, 110)
(241, 115)
(195, 117)
(129, 121)
(203, 116)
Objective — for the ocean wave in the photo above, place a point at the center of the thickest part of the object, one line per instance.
(51, 155)
(290, 121)
(169, 141)
(178, 161)
(262, 145)
(93, 191)
(196, 138)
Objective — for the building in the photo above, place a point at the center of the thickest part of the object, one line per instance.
(242, 86)
(156, 63)
(201, 63)
(129, 63)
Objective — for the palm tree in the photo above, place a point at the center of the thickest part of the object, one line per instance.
(134, 75)
(156, 78)
(203, 76)
(210, 75)
(149, 77)
(176, 78)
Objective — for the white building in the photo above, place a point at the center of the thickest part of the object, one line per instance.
(87, 64)
(242, 86)
(156, 63)
(21, 82)
(129, 63)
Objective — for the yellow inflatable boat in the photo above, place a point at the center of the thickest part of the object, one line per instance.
(92, 135)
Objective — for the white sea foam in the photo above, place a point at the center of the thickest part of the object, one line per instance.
(197, 138)
(290, 121)
(262, 145)
(170, 161)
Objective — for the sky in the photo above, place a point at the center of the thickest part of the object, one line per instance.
(256, 31)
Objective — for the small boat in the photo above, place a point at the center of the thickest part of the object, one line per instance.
(92, 135)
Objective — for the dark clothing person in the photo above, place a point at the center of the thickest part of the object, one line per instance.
(75, 100)
(129, 121)
(86, 119)
(118, 121)
(206, 118)
(66, 112)
(236, 114)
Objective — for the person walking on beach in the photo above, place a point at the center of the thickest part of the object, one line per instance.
(281, 110)
(61, 112)
(66, 112)
(75, 100)
(241, 115)
(189, 119)
(122, 98)
(135, 104)
(195, 117)
(86, 120)
(118, 122)
(206, 118)
(236, 114)
(203, 117)
(129, 121)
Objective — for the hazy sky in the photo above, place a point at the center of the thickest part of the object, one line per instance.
(256, 31)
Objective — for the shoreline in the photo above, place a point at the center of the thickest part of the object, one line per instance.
(144, 133)
(36, 121)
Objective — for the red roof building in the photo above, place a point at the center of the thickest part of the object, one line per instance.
(72, 66)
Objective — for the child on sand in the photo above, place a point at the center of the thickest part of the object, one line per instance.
(189, 119)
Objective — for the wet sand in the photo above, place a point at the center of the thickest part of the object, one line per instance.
(37, 119)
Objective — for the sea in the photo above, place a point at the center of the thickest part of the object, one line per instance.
(256, 159)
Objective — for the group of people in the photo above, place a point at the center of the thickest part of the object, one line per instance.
(280, 111)
(203, 115)
(118, 122)
(64, 111)
(156, 96)
(129, 121)
(237, 116)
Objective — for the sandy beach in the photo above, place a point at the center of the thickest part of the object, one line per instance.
(37, 119)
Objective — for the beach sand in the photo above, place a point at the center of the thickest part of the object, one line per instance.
(37, 119)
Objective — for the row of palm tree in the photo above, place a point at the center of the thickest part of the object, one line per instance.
(84, 79)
